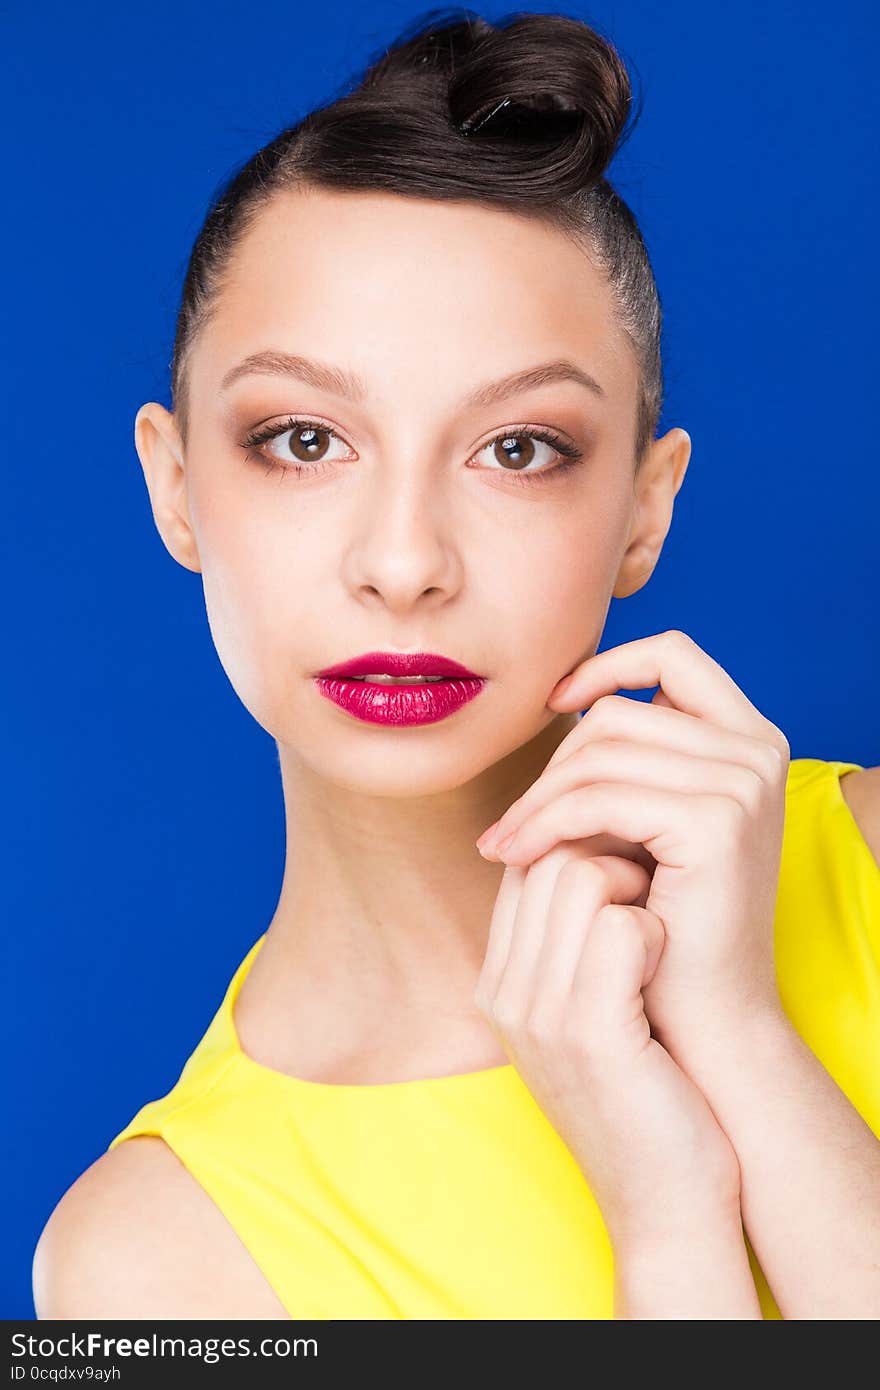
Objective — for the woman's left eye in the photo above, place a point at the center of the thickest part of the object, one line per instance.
(518, 448)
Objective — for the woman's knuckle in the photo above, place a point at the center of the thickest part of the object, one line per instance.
(781, 744)
(604, 702)
(614, 918)
(601, 751)
(549, 865)
(482, 1001)
(507, 1013)
(772, 760)
(539, 1024)
(629, 924)
(603, 714)
(580, 874)
(726, 822)
(752, 790)
(619, 932)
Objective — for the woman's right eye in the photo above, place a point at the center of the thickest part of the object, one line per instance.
(299, 442)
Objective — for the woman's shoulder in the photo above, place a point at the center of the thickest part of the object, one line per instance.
(817, 784)
(861, 792)
(136, 1236)
(827, 921)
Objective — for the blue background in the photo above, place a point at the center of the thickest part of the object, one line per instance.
(143, 827)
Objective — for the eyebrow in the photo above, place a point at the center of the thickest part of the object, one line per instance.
(343, 383)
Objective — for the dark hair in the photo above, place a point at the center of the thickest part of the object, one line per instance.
(523, 114)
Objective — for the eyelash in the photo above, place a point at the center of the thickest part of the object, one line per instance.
(571, 456)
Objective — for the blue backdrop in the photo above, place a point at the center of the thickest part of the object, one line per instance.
(143, 825)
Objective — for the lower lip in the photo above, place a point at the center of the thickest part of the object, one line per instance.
(400, 704)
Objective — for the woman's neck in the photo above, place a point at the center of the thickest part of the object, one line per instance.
(374, 950)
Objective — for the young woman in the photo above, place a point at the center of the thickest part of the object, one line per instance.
(625, 1066)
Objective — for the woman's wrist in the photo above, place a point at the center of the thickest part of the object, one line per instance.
(694, 1269)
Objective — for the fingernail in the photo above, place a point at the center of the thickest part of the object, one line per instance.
(486, 835)
(505, 843)
(562, 687)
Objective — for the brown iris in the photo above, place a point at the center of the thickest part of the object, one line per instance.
(308, 442)
(517, 449)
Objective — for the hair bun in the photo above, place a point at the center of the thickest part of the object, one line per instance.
(523, 115)
(544, 79)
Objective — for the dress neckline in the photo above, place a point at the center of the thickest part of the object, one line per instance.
(504, 1073)
(803, 772)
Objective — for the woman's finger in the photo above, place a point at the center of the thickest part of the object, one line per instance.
(642, 765)
(500, 935)
(583, 887)
(666, 822)
(694, 682)
(622, 717)
(621, 953)
(561, 894)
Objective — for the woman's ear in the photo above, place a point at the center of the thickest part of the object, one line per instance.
(161, 454)
(656, 484)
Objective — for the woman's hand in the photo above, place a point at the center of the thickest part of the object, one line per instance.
(571, 946)
(697, 779)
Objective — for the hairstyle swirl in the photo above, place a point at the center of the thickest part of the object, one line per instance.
(525, 113)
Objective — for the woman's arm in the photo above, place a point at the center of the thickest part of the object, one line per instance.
(811, 1177)
(809, 1164)
(136, 1236)
(861, 792)
(698, 1270)
(698, 777)
(568, 957)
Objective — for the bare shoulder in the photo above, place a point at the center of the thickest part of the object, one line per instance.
(136, 1236)
(861, 792)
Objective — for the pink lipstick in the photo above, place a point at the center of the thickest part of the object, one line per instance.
(435, 687)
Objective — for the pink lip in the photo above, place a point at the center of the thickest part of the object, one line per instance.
(399, 704)
(400, 664)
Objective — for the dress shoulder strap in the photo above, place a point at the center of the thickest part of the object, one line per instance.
(827, 931)
(206, 1064)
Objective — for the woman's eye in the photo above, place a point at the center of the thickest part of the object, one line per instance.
(523, 452)
(305, 443)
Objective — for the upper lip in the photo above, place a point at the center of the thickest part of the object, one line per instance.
(399, 664)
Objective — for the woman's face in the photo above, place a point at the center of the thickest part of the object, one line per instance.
(418, 517)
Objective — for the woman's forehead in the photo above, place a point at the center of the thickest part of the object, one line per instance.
(326, 244)
(375, 278)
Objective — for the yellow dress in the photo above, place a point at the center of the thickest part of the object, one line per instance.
(454, 1197)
